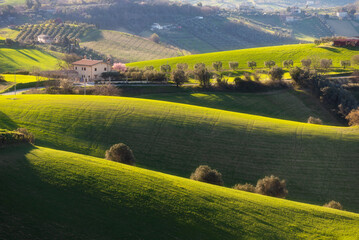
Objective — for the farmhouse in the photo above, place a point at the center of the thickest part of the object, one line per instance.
(44, 39)
(346, 42)
(91, 69)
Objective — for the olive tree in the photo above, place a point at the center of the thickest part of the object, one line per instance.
(120, 153)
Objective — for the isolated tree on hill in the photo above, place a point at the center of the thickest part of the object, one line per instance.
(288, 63)
(217, 65)
(272, 186)
(334, 204)
(276, 73)
(306, 63)
(155, 38)
(182, 66)
(203, 75)
(120, 153)
(179, 77)
(355, 59)
(345, 63)
(314, 120)
(269, 64)
(326, 63)
(233, 65)
(252, 64)
(205, 174)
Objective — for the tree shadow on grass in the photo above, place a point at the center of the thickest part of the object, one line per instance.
(6, 122)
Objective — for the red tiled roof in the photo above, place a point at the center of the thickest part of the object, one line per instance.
(87, 62)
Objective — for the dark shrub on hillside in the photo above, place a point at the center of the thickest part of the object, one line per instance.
(247, 85)
(245, 187)
(205, 174)
(179, 76)
(22, 72)
(333, 204)
(120, 153)
(29, 137)
(353, 117)
(272, 186)
(314, 120)
(276, 73)
(2, 79)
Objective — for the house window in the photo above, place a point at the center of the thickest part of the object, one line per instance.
(95, 69)
(105, 69)
(76, 68)
(85, 69)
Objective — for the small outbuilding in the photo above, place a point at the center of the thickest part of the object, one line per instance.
(44, 39)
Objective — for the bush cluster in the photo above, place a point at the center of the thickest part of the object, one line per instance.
(333, 204)
(205, 174)
(20, 135)
(120, 153)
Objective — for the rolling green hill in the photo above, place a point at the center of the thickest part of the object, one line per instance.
(278, 54)
(319, 162)
(25, 59)
(50, 194)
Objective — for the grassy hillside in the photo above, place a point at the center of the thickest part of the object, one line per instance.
(319, 162)
(278, 54)
(53, 193)
(129, 48)
(288, 105)
(25, 59)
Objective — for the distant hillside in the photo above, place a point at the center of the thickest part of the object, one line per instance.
(318, 162)
(127, 47)
(50, 194)
(277, 54)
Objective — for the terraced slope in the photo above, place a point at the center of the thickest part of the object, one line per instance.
(319, 162)
(49, 194)
(25, 59)
(277, 53)
(130, 48)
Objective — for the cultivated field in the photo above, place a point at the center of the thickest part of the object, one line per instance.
(278, 54)
(70, 196)
(129, 48)
(319, 162)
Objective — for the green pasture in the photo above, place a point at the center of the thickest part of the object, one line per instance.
(47, 192)
(260, 55)
(12, 2)
(26, 59)
(318, 162)
(8, 33)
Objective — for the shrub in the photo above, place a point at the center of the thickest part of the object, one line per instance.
(306, 63)
(166, 68)
(233, 65)
(217, 65)
(202, 74)
(2, 79)
(205, 174)
(288, 63)
(182, 66)
(333, 204)
(121, 67)
(150, 68)
(326, 63)
(272, 186)
(245, 187)
(276, 74)
(314, 120)
(28, 135)
(251, 64)
(179, 77)
(120, 153)
(353, 117)
(269, 64)
(355, 59)
(155, 38)
(106, 90)
(345, 63)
